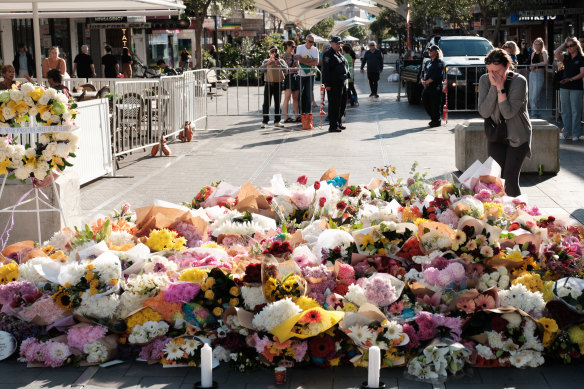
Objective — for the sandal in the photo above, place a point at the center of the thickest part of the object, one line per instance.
(289, 120)
(298, 119)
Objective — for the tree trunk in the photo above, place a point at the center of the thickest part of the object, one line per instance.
(495, 38)
(198, 46)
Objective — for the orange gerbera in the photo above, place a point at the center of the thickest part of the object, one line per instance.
(312, 316)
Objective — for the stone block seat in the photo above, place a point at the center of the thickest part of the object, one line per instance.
(471, 145)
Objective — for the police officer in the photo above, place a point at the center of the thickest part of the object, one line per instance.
(432, 82)
(335, 73)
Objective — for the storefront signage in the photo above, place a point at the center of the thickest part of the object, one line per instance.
(109, 19)
(552, 12)
(240, 34)
(513, 18)
(97, 26)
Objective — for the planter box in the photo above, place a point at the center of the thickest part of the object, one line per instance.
(471, 145)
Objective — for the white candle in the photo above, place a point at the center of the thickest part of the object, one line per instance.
(374, 366)
(206, 366)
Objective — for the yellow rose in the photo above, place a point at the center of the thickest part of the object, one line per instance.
(217, 311)
(234, 302)
(209, 295)
(234, 291)
(210, 282)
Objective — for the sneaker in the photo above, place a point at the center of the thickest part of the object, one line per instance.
(278, 124)
(264, 125)
(565, 137)
(334, 129)
(376, 96)
(435, 124)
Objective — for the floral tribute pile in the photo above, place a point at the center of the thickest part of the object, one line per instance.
(30, 105)
(441, 276)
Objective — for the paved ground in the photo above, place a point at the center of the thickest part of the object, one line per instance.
(235, 149)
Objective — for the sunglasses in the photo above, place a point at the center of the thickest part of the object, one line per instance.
(570, 46)
(309, 41)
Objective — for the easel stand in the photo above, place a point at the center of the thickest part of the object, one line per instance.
(41, 202)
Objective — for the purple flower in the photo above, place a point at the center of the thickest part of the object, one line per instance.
(181, 293)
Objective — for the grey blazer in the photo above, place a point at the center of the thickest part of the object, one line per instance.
(514, 109)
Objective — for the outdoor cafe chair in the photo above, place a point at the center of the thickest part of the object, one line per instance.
(130, 113)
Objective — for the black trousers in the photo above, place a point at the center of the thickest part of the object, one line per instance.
(432, 99)
(272, 89)
(351, 92)
(337, 99)
(373, 81)
(511, 159)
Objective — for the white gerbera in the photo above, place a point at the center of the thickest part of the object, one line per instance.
(173, 351)
(360, 334)
(190, 346)
(393, 330)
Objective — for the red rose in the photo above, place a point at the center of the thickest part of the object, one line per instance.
(322, 201)
(302, 180)
(269, 199)
(317, 185)
(347, 191)
(341, 205)
(321, 346)
(513, 227)
(253, 273)
(499, 324)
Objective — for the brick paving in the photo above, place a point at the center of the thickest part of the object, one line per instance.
(235, 149)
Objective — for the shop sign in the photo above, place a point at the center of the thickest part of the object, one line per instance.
(240, 34)
(97, 26)
(552, 12)
(109, 19)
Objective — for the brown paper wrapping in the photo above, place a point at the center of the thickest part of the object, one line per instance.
(431, 225)
(249, 199)
(374, 184)
(493, 180)
(244, 317)
(111, 344)
(155, 217)
(332, 173)
(26, 246)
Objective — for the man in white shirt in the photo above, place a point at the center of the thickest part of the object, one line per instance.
(307, 55)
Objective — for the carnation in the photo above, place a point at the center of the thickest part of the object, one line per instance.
(252, 296)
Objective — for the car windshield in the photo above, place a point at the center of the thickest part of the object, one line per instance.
(465, 47)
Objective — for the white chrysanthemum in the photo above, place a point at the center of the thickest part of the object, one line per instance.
(61, 239)
(99, 307)
(520, 358)
(360, 334)
(394, 330)
(62, 150)
(129, 302)
(356, 295)
(45, 98)
(147, 284)
(494, 339)
(275, 313)
(29, 101)
(286, 205)
(484, 351)
(109, 267)
(221, 353)
(519, 296)
(55, 119)
(120, 238)
(52, 93)
(62, 98)
(96, 352)
(22, 173)
(226, 225)
(190, 346)
(173, 351)
(153, 261)
(27, 271)
(252, 296)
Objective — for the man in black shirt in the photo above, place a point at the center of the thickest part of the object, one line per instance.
(110, 68)
(432, 82)
(83, 64)
(374, 60)
(335, 73)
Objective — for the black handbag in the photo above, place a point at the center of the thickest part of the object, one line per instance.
(497, 132)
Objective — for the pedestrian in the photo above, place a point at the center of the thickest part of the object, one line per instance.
(83, 65)
(571, 88)
(165, 69)
(523, 57)
(8, 74)
(335, 73)
(185, 56)
(538, 62)
(374, 61)
(54, 62)
(273, 68)
(110, 68)
(55, 80)
(431, 79)
(126, 63)
(307, 56)
(23, 62)
(503, 95)
(511, 48)
(350, 56)
(291, 82)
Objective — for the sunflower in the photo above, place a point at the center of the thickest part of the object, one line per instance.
(63, 299)
(366, 241)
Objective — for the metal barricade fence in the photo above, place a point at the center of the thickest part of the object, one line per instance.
(248, 92)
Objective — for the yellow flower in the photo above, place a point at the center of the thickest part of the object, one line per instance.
(195, 275)
(217, 311)
(234, 291)
(92, 291)
(548, 291)
(89, 276)
(113, 281)
(306, 303)
(515, 256)
(90, 266)
(366, 241)
(532, 281)
(382, 252)
(335, 362)
(9, 273)
(209, 295)
(350, 307)
(234, 302)
(213, 245)
(549, 325)
(4, 166)
(210, 282)
(94, 283)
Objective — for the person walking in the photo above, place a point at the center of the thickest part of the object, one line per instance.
(291, 82)
(538, 62)
(431, 79)
(335, 73)
(307, 56)
(83, 65)
(54, 62)
(571, 87)
(110, 68)
(374, 60)
(126, 63)
(503, 95)
(185, 57)
(23, 62)
(350, 56)
(273, 69)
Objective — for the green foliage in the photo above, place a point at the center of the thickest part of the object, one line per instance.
(229, 56)
(388, 23)
(358, 32)
(323, 28)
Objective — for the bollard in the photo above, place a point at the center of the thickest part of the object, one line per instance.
(445, 107)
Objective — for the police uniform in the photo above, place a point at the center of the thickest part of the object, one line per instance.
(432, 94)
(335, 73)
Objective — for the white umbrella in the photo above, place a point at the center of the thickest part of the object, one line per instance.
(35, 9)
(350, 38)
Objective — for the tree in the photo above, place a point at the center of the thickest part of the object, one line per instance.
(424, 13)
(358, 32)
(387, 23)
(323, 28)
(199, 10)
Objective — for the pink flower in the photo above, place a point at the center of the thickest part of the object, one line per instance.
(468, 306)
(300, 350)
(433, 300)
(301, 200)
(334, 301)
(533, 211)
(448, 217)
(54, 354)
(302, 260)
(181, 293)
(29, 350)
(302, 180)
(484, 195)
(484, 301)
(346, 273)
(396, 307)
(77, 337)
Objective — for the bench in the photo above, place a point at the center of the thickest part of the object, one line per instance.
(471, 145)
(214, 82)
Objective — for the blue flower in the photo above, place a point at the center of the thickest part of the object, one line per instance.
(338, 181)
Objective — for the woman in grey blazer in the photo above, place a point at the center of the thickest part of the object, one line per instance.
(496, 101)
